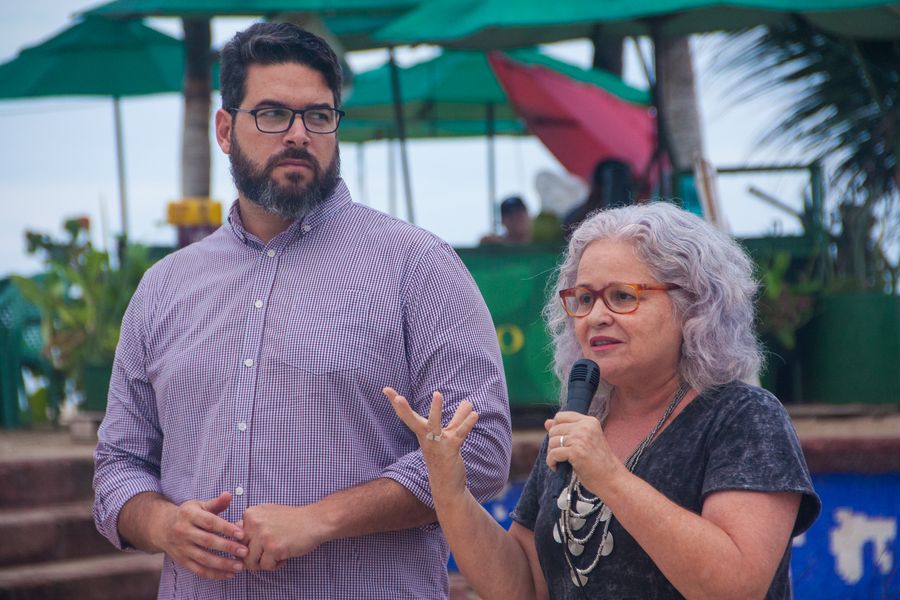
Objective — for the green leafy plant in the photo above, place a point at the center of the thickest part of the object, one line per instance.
(785, 305)
(843, 108)
(82, 297)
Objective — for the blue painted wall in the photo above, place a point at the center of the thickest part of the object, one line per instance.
(852, 552)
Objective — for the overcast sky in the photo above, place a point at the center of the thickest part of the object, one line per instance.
(58, 155)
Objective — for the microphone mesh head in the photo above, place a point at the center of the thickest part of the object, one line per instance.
(585, 370)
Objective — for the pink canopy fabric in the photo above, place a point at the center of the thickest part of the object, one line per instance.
(580, 123)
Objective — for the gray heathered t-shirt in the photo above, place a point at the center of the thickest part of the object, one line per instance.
(734, 437)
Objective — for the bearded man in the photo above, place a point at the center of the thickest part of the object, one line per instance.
(247, 436)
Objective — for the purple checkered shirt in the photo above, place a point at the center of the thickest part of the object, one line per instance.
(258, 368)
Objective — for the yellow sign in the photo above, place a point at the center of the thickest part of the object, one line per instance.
(511, 338)
(189, 212)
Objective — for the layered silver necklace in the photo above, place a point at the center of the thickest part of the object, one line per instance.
(579, 509)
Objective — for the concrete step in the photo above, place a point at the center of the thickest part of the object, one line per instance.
(39, 482)
(113, 577)
(48, 533)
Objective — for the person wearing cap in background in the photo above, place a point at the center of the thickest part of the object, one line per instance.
(515, 220)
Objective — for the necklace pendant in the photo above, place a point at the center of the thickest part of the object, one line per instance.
(606, 547)
(575, 549)
(605, 513)
(582, 507)
(557, 531)
(562, 502)
(578, 579)
(576, 523)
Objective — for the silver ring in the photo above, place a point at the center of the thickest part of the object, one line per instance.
(562, 440)
(433, 437)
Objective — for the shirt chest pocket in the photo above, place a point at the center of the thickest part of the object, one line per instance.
(329, 333)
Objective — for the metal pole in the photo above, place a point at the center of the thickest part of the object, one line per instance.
(492, 168)
(392, 178)
(401, 134)
(663, 148)
(120, 165)
(361, 172)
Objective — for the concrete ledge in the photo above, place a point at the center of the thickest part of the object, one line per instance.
(40, 482)
(49, 533)
(852, 455)
(132, 576)
(842, 439)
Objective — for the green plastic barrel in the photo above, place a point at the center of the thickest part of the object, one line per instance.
(850, 351)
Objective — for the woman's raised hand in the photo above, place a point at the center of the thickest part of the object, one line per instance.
(440, 445)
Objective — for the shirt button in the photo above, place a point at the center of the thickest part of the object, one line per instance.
(238, 491)
(271, 253)
(305, 228)
(248, 362)
(258, 304)
(242, 426)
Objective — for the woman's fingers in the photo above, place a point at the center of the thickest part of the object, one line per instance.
(462, 411)
(463, 420)
(404, 410)
(434, 413)
(468, 422)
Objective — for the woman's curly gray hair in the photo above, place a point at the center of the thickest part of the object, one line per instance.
(715, 303)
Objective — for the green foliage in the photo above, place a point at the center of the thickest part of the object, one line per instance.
(784, 305)
(81, 297)
(843, 100)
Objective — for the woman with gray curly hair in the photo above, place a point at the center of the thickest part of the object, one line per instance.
(685, 481)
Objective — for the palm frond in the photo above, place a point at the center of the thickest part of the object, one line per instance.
(845, 97)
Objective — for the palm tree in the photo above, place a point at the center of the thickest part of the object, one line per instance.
(845, 110)
(195, 153)
(676, 92)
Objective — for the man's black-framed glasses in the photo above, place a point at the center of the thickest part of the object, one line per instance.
(280, 119)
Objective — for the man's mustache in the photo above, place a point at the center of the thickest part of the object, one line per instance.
(293, 153)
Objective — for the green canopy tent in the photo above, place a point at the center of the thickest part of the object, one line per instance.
(452, 95)
(458, 94)
(98, 57)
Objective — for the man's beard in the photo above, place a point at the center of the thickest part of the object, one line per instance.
(291, 201)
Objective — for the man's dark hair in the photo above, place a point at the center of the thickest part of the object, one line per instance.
(271, 44)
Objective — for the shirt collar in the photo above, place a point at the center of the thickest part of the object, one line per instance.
(338, 200)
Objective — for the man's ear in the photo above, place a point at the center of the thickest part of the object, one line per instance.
(224, 123)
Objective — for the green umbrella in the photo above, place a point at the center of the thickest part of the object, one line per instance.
(98, 57)
(449, 95)
(506, 24)
(452, 95)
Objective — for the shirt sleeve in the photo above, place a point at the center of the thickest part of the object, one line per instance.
(128, 453)
(526, 511)
(452, 348)
(757, 449)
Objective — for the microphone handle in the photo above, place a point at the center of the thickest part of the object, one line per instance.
(583, 383)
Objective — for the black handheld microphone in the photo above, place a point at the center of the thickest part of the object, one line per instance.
(583, 381)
